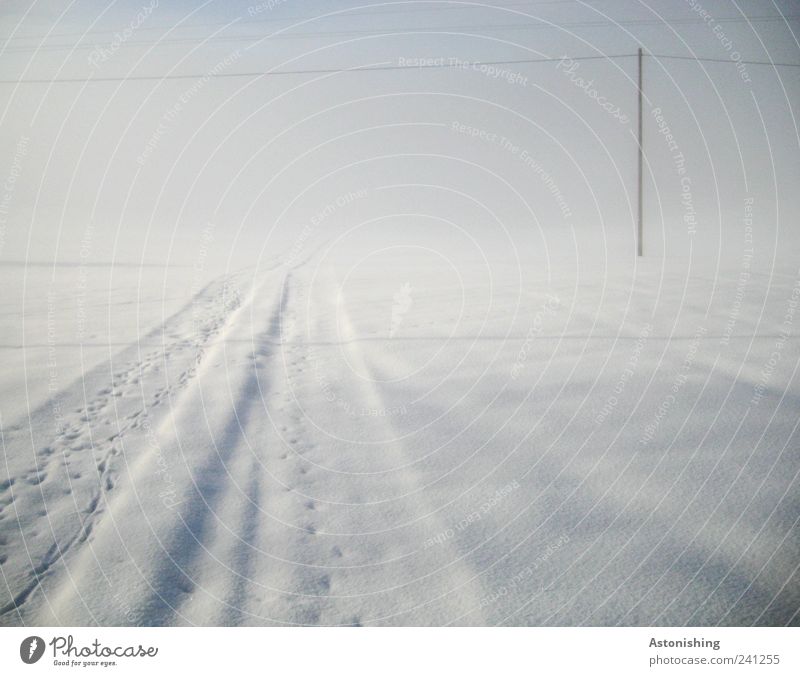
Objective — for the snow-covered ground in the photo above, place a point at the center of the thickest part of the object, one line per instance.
(401, 434)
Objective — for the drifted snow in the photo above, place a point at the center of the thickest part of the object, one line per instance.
(405, 439)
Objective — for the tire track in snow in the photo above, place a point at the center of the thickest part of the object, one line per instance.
(139, 507)
(94, 434)
(352, 542)
(228, 510)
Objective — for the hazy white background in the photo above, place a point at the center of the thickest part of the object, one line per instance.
(257, 157)
(417, 320)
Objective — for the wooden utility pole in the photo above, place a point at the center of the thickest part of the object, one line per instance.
(639, 225)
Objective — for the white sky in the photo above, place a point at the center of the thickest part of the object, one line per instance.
(259, 157)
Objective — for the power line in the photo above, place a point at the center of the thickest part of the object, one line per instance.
(454, 63)
(749, 63)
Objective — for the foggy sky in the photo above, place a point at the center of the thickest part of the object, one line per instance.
(537, 157)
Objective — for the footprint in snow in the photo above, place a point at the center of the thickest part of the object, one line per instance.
(34, 479)
(185, 585)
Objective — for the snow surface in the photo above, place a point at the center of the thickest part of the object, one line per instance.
(367, 435)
